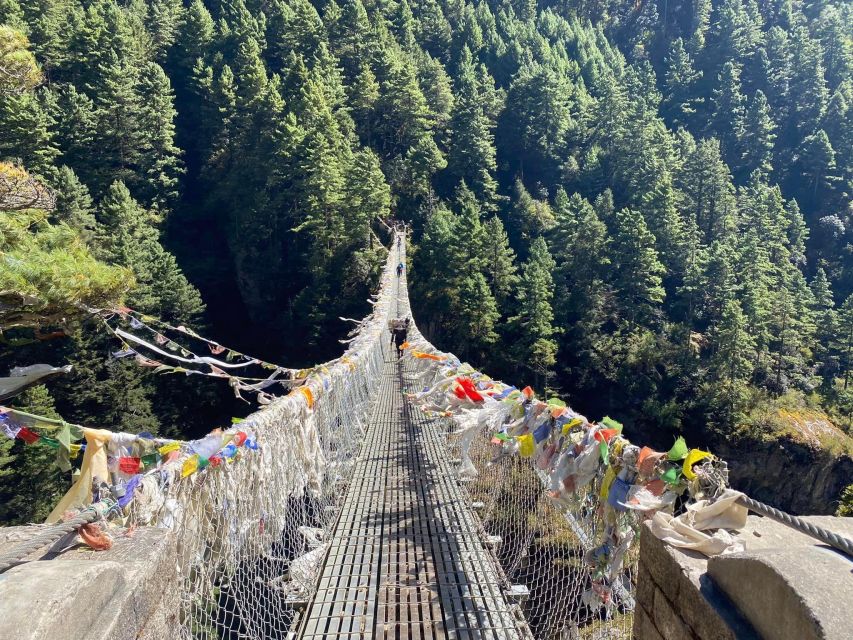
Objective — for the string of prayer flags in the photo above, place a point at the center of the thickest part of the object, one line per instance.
(578, 458)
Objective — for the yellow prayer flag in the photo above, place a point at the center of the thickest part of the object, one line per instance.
(190, 466)
(694, 456)
(168, 448)
(526, 446)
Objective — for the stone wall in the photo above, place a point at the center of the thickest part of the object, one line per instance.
(127, 593)
(784, 586)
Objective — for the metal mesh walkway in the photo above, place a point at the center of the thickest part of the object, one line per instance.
(406, 559)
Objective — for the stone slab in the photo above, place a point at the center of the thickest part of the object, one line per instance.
(789, 585)
(681, 576)
(120, 594)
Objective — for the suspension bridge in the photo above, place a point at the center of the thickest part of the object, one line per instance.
(411, 497)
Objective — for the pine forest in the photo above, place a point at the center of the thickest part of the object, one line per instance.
(642, 206)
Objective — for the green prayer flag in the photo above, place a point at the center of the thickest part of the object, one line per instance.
(610, 423)
(63, 450)
(605, 450)
(670, 476)
(679, 450)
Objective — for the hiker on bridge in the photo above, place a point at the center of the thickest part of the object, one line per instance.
(400, 268)
(399, 333)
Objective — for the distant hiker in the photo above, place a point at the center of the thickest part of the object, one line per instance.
(399, 241)
(399, 269)
(399, 336)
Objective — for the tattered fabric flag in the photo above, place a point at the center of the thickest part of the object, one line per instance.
(142, 361)
(609, 477)
(464, 388)
(427, 356)
(168, 448)
(190, 466)
(150, 459)
(528, 392)
(217, 371)
(135, 324)
(129, 491)
(9, 427)
(695, 456)
(526, 446)
(63, 453)
(30, 437)
(129, 464)
(307, 393)
(542, 431)
(610, 423)
(575, 422)
(160, 339)
(670, 476)
(216, 349)
(647, 460)
(679, 449)
(21, 378)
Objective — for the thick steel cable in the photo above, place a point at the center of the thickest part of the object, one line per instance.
(17, 553)
(841, 543)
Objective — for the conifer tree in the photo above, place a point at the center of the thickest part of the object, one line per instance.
(160, 157)
(729, 110)
(74, 205)
(637, 270)
(535, 348)
(826, 328)
(731, 364)
(471, 156)
(130, 239)
(680, 78)
(500, 269)
(757, 137)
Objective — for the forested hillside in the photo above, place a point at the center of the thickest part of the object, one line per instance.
(645, 206)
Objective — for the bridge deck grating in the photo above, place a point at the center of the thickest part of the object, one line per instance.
(406, 560)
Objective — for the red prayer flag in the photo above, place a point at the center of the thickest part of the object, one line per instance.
(30, 437)
(129, 465)
(605, 435)
(467, 388)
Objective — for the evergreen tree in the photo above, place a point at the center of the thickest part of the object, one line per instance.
(160, 157)
(74, 205)
(729, 110)
(471, 156)
(757, 137)
(680, 79)
(130, 239)
(637, 270)
(826, 328)
(731, 364)
(536, 348)
(500, 269)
